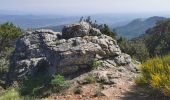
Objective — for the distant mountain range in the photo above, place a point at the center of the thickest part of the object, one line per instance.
(125, 24)
(137, 26)
(38, 21)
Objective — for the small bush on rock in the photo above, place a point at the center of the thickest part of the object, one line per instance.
(95, 64)
(156, 73)
(78, 90)
(89, 79)
(59, 83)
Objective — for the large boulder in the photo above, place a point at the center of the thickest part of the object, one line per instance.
(65, 53)
(79, 30)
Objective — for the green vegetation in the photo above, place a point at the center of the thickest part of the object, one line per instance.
(95, 64)
(157, 39)
(77, 90)
(103, 27)
(89, 79)
(4, 60)
(10, 94)
(3, 69)
(137, 27)
(152, 49)
(13, 94)
(136, 49)
(33, 85)
(59, 83)
(155, 42)
(106, 30)
(156, 73)
(40, 86)
(8, 33)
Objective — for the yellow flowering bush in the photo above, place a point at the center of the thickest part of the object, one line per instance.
(156, 73)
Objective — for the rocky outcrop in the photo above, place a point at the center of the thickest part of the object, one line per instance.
(65, 53)
(79, 30)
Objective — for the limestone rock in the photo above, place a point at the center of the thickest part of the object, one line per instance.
(79, 30)
(123, 59)
(65, 53)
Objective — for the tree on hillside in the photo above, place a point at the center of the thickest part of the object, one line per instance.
(157, 39)
(8, 33)
(136, 49)
(106, 30)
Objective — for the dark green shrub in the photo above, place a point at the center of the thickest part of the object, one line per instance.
(42, 85)
(105, 29)
(77, 90)
(8, 34)
(59, 83)
(136, 49)
(34, 85)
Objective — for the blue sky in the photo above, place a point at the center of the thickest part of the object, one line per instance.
(86, 6)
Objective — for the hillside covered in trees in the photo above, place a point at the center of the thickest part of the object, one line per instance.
(157, 39)
(138, 26)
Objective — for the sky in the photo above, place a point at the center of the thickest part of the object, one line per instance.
(85, 6)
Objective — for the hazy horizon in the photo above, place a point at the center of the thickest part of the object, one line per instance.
(40, 13)
(85, 7)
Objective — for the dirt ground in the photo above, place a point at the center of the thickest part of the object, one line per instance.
(125, 90)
